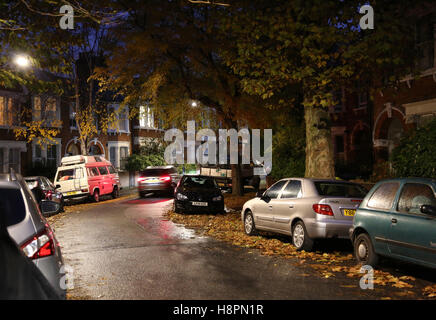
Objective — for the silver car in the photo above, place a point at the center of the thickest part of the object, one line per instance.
(29, 229)
(305, 209)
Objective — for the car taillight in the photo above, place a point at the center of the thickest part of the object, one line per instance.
(166, 178)
(323, 209)
(39, 246)
(48, 194)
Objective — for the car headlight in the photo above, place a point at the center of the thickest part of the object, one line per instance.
(219, 198)
(180, 196)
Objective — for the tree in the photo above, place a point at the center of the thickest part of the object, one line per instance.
(170, 57)
(35, 31)
(317, 45)
(416, 154)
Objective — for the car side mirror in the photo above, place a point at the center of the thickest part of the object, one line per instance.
(49, 207)
(428, 209)
(259, 193)
(265, 198)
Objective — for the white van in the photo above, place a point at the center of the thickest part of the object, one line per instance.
(87, 176)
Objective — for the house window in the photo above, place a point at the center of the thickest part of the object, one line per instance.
(425, 42)
(146, 117)
(14, 159)
(124, 154)
(112, 155)
(45, 109)
(362, 99)
(52, 155)
(338, 107)
(9, 114)
(73, 123)
(122, 118)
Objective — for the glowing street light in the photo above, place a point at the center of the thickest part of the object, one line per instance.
(194, 104)
(22, 61)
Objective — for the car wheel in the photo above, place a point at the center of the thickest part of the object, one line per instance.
(300, 238)
(115, 193)
(364, 250)
(249, 227)
(96, 196)
(175, 208)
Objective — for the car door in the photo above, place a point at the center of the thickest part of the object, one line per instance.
(263, 213)
(377, 213)
(413, 233)
(286, 205)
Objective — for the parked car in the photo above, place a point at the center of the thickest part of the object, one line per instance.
(397, 219)
(158, 180)
(306, 209)
(29, 229)
(198, 194)
(43, 189)
(82, 177)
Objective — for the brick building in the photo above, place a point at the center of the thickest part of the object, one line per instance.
(116, 145)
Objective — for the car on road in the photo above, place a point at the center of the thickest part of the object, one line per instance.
(83, 177)
(305, 209)
(29, 229)
(43, 189)
(397, 219)
(161, 179)
(198, 194)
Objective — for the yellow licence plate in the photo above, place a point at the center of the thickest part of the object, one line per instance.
(152, 181)
(71, 193)
(349, 212)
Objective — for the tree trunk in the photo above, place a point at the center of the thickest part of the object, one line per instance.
(83, 149)
(237, 183)
(319, 148)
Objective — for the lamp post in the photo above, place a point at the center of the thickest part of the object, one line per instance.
(22, 61)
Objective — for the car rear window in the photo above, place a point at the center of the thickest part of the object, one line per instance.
(64, 175)
(12, 205)
(340, 189)
(155, 172)
(200, 182)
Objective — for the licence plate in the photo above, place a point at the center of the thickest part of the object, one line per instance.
(72, 193)
(152, 181)
(199, 204)
(349, 212)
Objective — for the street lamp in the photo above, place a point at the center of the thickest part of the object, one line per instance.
(22, 61)
(194, 104)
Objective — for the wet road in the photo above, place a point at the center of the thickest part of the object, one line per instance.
(127, 250)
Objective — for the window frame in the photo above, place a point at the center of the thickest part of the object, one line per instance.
(401, 192)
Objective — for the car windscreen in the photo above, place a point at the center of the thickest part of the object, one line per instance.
(155, 172)
(199, 182)
(12, 205)
(338, 189)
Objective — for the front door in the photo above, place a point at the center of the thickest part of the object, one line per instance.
(412, 233)
(263, 212)
(287, 205)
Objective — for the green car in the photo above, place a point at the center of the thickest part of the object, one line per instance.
(397, 219)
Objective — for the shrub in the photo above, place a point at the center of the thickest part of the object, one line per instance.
(416, 154)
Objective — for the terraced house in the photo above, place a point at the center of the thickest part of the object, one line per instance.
(32, 158)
